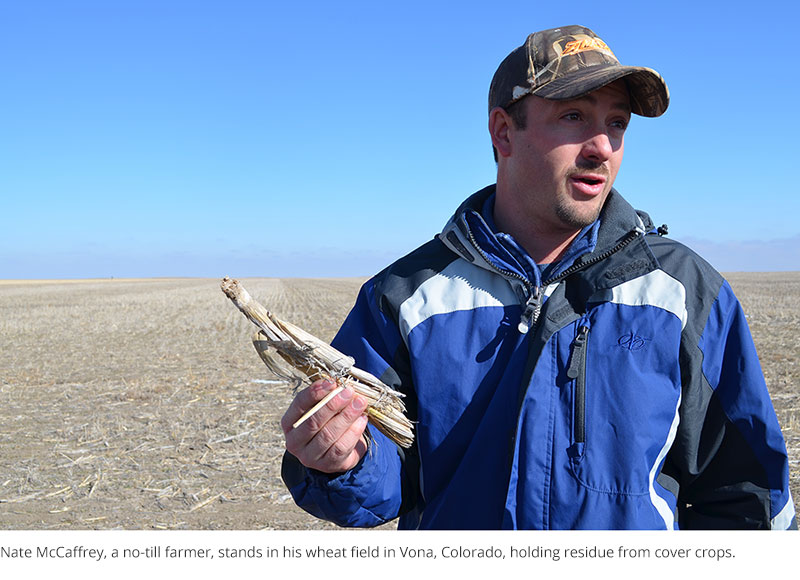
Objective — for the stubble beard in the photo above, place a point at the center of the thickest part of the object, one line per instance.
(573, 218)
(574, 214)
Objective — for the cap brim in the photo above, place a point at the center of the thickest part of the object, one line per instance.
(648, 91)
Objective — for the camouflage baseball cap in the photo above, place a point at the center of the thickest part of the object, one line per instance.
(569, 62)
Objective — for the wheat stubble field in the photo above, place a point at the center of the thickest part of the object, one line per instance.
(141, 404)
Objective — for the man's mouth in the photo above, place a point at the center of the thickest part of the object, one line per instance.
(588, 184)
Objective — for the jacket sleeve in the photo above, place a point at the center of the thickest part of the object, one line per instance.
(372, 492)
(736, 474)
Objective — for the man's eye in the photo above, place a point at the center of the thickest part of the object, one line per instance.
(572, 117)
(621, 124)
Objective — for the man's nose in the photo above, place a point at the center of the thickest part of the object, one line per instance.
(598, 147)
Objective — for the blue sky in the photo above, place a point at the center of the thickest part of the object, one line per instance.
(244, 138)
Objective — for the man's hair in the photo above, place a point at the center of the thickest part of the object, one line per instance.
(517, 113)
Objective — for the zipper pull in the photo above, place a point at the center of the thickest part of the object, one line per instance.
(533, 306)
(577, 360)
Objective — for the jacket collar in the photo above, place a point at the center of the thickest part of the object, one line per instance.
(468, 235)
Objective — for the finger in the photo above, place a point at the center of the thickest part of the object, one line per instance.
(317, 407)
(330, 434)
(309, 441)
(348, 450)
(305, 400)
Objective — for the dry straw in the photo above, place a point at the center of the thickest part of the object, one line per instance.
(279, 342)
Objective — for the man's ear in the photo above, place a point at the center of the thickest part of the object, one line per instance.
(500, 123)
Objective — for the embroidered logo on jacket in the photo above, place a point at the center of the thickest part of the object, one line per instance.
(632, 341)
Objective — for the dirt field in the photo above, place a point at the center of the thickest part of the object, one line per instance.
(141, 404)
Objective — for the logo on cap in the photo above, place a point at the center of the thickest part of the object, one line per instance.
(584, 44)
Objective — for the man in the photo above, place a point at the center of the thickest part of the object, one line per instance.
(566, 366)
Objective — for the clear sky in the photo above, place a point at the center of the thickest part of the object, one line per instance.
(254, 138)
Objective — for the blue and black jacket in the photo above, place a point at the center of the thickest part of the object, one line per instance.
(621, 392)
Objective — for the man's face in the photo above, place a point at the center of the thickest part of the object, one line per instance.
(563, 164)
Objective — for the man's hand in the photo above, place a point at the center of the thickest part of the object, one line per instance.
(332, 439)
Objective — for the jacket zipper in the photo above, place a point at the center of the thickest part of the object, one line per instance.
(533, 306)
(577, 372)
(505, 273)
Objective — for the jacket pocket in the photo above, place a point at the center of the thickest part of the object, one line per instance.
(624, 383)
(577, 372)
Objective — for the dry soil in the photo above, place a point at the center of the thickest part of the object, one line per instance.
(141, 404)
